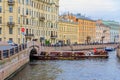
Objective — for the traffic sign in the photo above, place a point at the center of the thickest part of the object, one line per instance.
(23, 33)
(22, 29)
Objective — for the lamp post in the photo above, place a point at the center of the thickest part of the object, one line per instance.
(23, 32)
(22, 28)
(33, 41)
(103, 37)
(114, 39)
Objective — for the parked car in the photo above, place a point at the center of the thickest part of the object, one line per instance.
(11, 43)
(57, 44)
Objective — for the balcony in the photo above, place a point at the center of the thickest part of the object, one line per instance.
(53, 36)
(11, 2)
(29, 35)
(10, 24)
(42, 18)
(57, 5)
(52, 3)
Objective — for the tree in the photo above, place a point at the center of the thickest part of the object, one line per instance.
(102, 38)
(88, 38)
(47, 42)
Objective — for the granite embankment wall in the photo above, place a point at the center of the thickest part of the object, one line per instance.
(12, 60)
(77, 47)
(118, 51)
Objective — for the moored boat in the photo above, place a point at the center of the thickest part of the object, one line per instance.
(109, 49)
(71, 55)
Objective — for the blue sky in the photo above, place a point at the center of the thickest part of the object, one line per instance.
(96, 9)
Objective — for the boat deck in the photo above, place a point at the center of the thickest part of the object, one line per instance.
(70, 55)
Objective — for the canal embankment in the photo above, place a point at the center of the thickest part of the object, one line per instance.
(118, 51)
(12, 59)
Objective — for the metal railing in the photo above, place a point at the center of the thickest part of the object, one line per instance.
(7, 53)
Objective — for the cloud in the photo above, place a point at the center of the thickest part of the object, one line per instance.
(88, 5)
(98, 8)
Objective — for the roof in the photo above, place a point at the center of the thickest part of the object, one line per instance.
(67, 21)
(79, 16)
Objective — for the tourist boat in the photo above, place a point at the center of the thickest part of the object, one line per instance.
(71, 55)
(109, 49)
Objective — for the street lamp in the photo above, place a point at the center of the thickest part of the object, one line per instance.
(22, 28)
(103, 37)
(114, 38)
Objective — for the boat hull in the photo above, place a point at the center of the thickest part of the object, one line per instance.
(109, 49)
(68, 58)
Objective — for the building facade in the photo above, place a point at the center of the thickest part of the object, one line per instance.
(102, 32)
(87, 27)
(68, 31)
(114, 30)
(87, 30)
(39, 18)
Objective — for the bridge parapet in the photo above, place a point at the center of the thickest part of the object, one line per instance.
(8, 51)
(11, 59)
(33, 43)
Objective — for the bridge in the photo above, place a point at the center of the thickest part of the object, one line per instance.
(13, 58)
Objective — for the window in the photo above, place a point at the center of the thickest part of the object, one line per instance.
(27, 2)
(10, 30)
(10, 39)
(18, 20)
(10, 0)
(26, 31)
(27, 21)
(0, 9)
(0, 39)
(10, 18)
(10, 9)
(0, 30)
(18, 31)
(22, 1)
(0, 20)
(19, 10)
(26, 11)
(19, 1)
(23, 11)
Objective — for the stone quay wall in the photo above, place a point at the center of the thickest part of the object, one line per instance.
(11, 62)
(118, 51)
(76, 47)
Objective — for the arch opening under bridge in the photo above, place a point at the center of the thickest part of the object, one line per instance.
(34, 49)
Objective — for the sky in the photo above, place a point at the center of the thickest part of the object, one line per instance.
(95, 9)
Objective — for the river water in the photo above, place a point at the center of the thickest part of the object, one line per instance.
(86, 69)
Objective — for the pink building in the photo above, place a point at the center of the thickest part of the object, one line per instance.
(102, 32)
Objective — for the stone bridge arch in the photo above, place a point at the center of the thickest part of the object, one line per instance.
(33, 49)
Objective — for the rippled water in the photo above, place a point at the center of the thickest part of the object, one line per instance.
(87, 69)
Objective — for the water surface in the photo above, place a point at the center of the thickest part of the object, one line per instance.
(86, 69)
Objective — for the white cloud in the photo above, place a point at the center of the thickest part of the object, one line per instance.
(87, 5)
(96, 8)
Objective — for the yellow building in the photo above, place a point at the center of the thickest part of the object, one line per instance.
(87, 27)
(87, 30)
(38, 17)
(68, 31)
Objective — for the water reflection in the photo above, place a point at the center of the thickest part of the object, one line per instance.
(88, 69)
